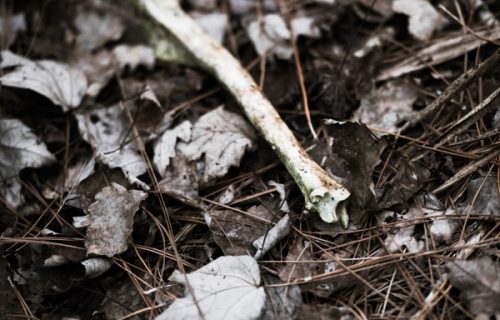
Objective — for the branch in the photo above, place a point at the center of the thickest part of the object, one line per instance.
(321, 192)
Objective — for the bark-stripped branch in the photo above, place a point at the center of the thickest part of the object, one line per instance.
(322, 193)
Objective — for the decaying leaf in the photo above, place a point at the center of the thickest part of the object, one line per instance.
(180, 181)
(387, 106)
(19, 148)
(101, 66)
(324, 312)
(107, 129)
(281, 302)
(442, 228)
(273, 37)
(221, 138)
(401, 182)
(403, 237)
(299, 268)
(351, 152)
(424, 18)
(10, 26)
(165, 146)
(235, 232)
(226, 288)
(479, 283)
(134, 56)
(214, 23)
(111, 218)
(267, 241)
(96, 29)
(482, 196)
(300, 265)
(63, 85)
(66, 181)
(120, 299)
(245, 6)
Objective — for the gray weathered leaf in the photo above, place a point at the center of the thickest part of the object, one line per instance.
(111, 219)
(423, 17)
(95, 29)
(222, 137)
(235, 232)
(63, 85)
(164, 148)
(19, 149)
(107, 129)
(479, 283)
(10, 26)
(272, 36)
(134, 56)
(387, 106)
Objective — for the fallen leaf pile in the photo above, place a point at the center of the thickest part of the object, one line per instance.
(132, 187)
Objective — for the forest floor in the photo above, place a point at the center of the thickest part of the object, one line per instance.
(120, 172)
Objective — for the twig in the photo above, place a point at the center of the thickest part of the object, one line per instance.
(465, 122)
(455, 87)
(298, 66)
(322, 193)
(465, 171)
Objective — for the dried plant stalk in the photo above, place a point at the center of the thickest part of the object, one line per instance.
(322, 193)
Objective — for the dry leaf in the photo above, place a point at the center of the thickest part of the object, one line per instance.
(402, 182)
(267, 241)
(387, 106)
(281, 302)
(351, 152)
(245, 6)
(63, 85)
(214, 23)
(134, 56)
(479, 283)
(442, 229)
(19, 149)
(221, 137)
(482, 194)
(299, 253)
(235, 232)
(98, 68)
(180, 181)
(272, 37)
(69, 180)
(107, 129)
(226, 288)
(403, 238)
(95, 29)
(10, 26)
(111, 219)
(423, 17)
(205, 5)
(165, 147)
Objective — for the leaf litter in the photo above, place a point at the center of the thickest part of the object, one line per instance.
(20, 148)
(227, 281)
(111, 219)
(63, 85)
(88, 115)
